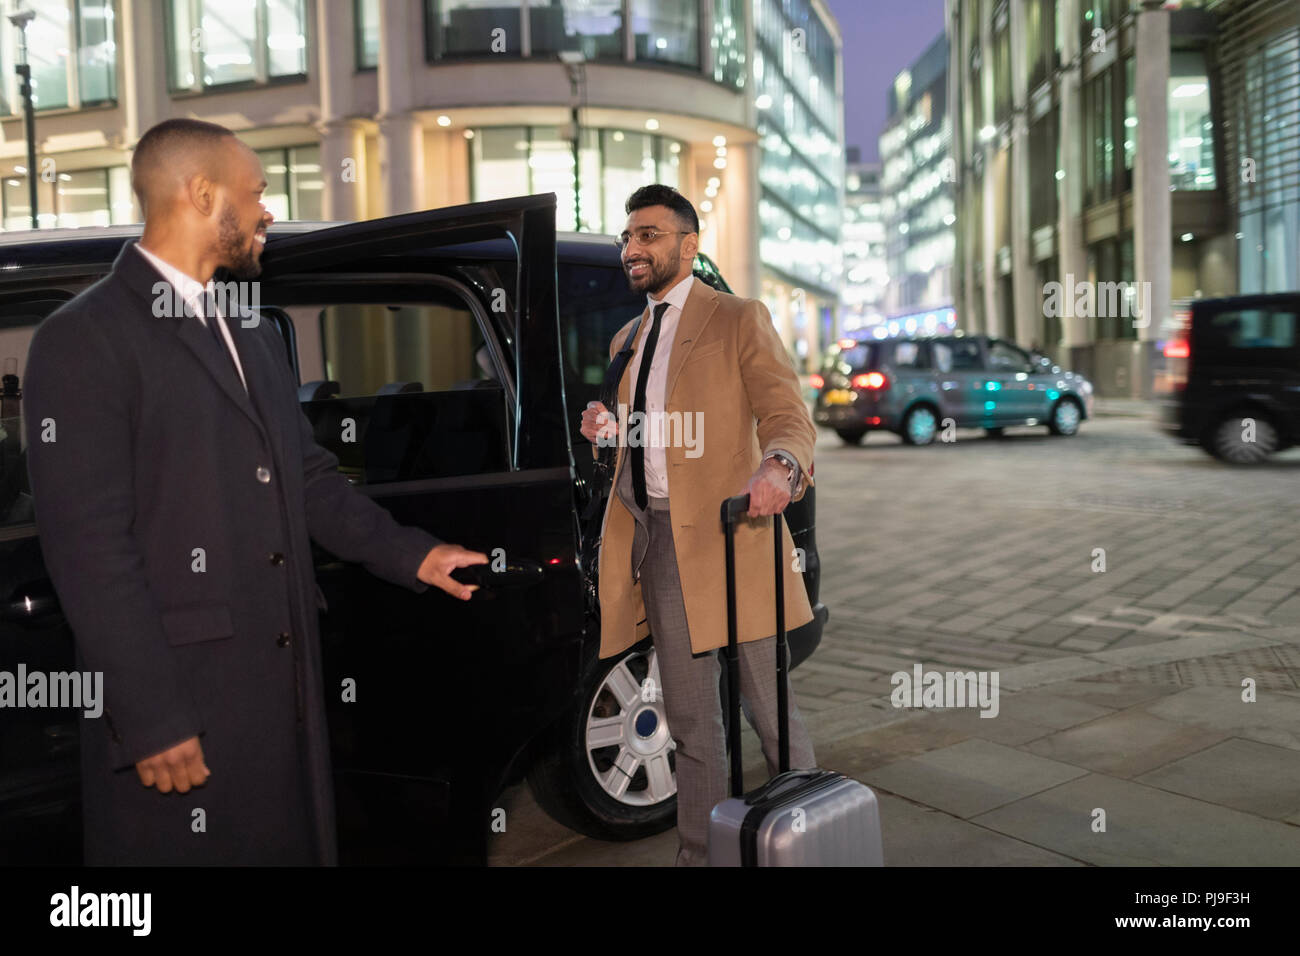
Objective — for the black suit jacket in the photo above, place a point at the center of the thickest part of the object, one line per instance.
(175, 512)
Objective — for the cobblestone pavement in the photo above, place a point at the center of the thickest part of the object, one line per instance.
(981, 553)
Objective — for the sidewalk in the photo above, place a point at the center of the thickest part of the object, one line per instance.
(1157, 736)
(1124, 407)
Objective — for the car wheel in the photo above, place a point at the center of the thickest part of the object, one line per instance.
(1228, 440)
(1066, 415)
(998, 432)
(920, 426)
(851, 436)
(607, 768)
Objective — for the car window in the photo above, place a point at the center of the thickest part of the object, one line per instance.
(1253, 329)
(957, 355)
(408, 390)
(1004, 357)
(913, 355)
(595, 302)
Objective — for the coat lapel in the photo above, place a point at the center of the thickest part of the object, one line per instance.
(700, 305)
(138, 275)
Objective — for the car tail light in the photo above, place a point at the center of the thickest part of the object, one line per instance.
(1178, 352)
(816, 381)
(871, 381)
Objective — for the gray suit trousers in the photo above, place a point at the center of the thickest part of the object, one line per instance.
(690, 684)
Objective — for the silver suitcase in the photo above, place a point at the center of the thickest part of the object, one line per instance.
(799, 817)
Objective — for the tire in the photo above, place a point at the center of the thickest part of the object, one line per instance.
(1065, 418)
(580, 786)
(1226, 439)
(920, 426)
(851, 436)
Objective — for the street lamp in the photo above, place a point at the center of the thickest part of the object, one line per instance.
(575, 63)
(20, 19)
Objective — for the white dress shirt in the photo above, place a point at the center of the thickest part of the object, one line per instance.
(191, 291)
(656, 458)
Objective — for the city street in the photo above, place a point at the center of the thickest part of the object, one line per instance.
(1121, 689)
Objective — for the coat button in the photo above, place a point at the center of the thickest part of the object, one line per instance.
(282, 640)
(263, 475)
(276, 558)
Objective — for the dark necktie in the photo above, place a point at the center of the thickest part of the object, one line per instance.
(209, 306)
(638, 405)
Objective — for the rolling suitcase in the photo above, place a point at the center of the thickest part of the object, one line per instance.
(799, 817)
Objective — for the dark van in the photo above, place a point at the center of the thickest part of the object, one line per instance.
(1231, 382)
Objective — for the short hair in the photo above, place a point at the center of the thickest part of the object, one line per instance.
(658, 194)
(163, 144)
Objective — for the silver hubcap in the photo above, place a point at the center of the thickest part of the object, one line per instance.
(920, 426)
(1234, 448)
(1067, 418)
(627, 742)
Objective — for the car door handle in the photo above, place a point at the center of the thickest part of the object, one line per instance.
(520, 573)
(30, 609)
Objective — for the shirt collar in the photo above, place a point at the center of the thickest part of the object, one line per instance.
(676, 295)
(189, 287)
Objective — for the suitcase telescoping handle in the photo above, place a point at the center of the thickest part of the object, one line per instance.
(732, 509)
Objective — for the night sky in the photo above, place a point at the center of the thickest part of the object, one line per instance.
(881, 37)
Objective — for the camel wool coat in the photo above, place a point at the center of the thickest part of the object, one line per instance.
(728, 364)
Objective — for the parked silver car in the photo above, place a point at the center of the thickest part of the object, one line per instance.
(915, 386)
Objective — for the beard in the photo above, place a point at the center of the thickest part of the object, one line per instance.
(237, 252)
(658, 275)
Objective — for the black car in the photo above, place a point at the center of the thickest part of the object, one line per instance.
(444, 357)
(1231, 377)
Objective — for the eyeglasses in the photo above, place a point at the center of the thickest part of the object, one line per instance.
(646, 235)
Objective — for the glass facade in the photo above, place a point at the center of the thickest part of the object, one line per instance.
(591, 27)
(209, 47)
(801, 162)
(88, 197)
(1191, 129)
(366, 19)
(294, 183)
(728, 42)
(667, 31)
(72, 54)
(520, 160)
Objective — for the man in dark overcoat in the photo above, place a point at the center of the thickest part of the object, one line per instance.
(177, 491)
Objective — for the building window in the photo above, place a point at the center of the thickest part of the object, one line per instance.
(519, 161)
(294, 184)
(592, 27)
(89, 197)
(365, 18)
(1043, 185)
(1191, 130)
(471, 28)
(667, 31)
(1001, 64)
(729, 42)
(71, 49)
(1099, 138)
(1130, 114)
(209, 47)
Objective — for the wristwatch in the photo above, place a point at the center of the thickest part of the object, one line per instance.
(791, 468)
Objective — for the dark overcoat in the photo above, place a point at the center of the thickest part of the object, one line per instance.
(144, 448)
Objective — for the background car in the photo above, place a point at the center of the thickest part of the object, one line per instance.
(444, 358)
(912, 385)
(1231, 382)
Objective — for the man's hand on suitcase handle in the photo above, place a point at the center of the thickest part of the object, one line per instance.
(768, 490)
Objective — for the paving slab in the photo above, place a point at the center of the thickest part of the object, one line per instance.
(1124, 744)
(970, 777)
(1144, 827)
(1243, 774)
(915, 835)
(1274, 718)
